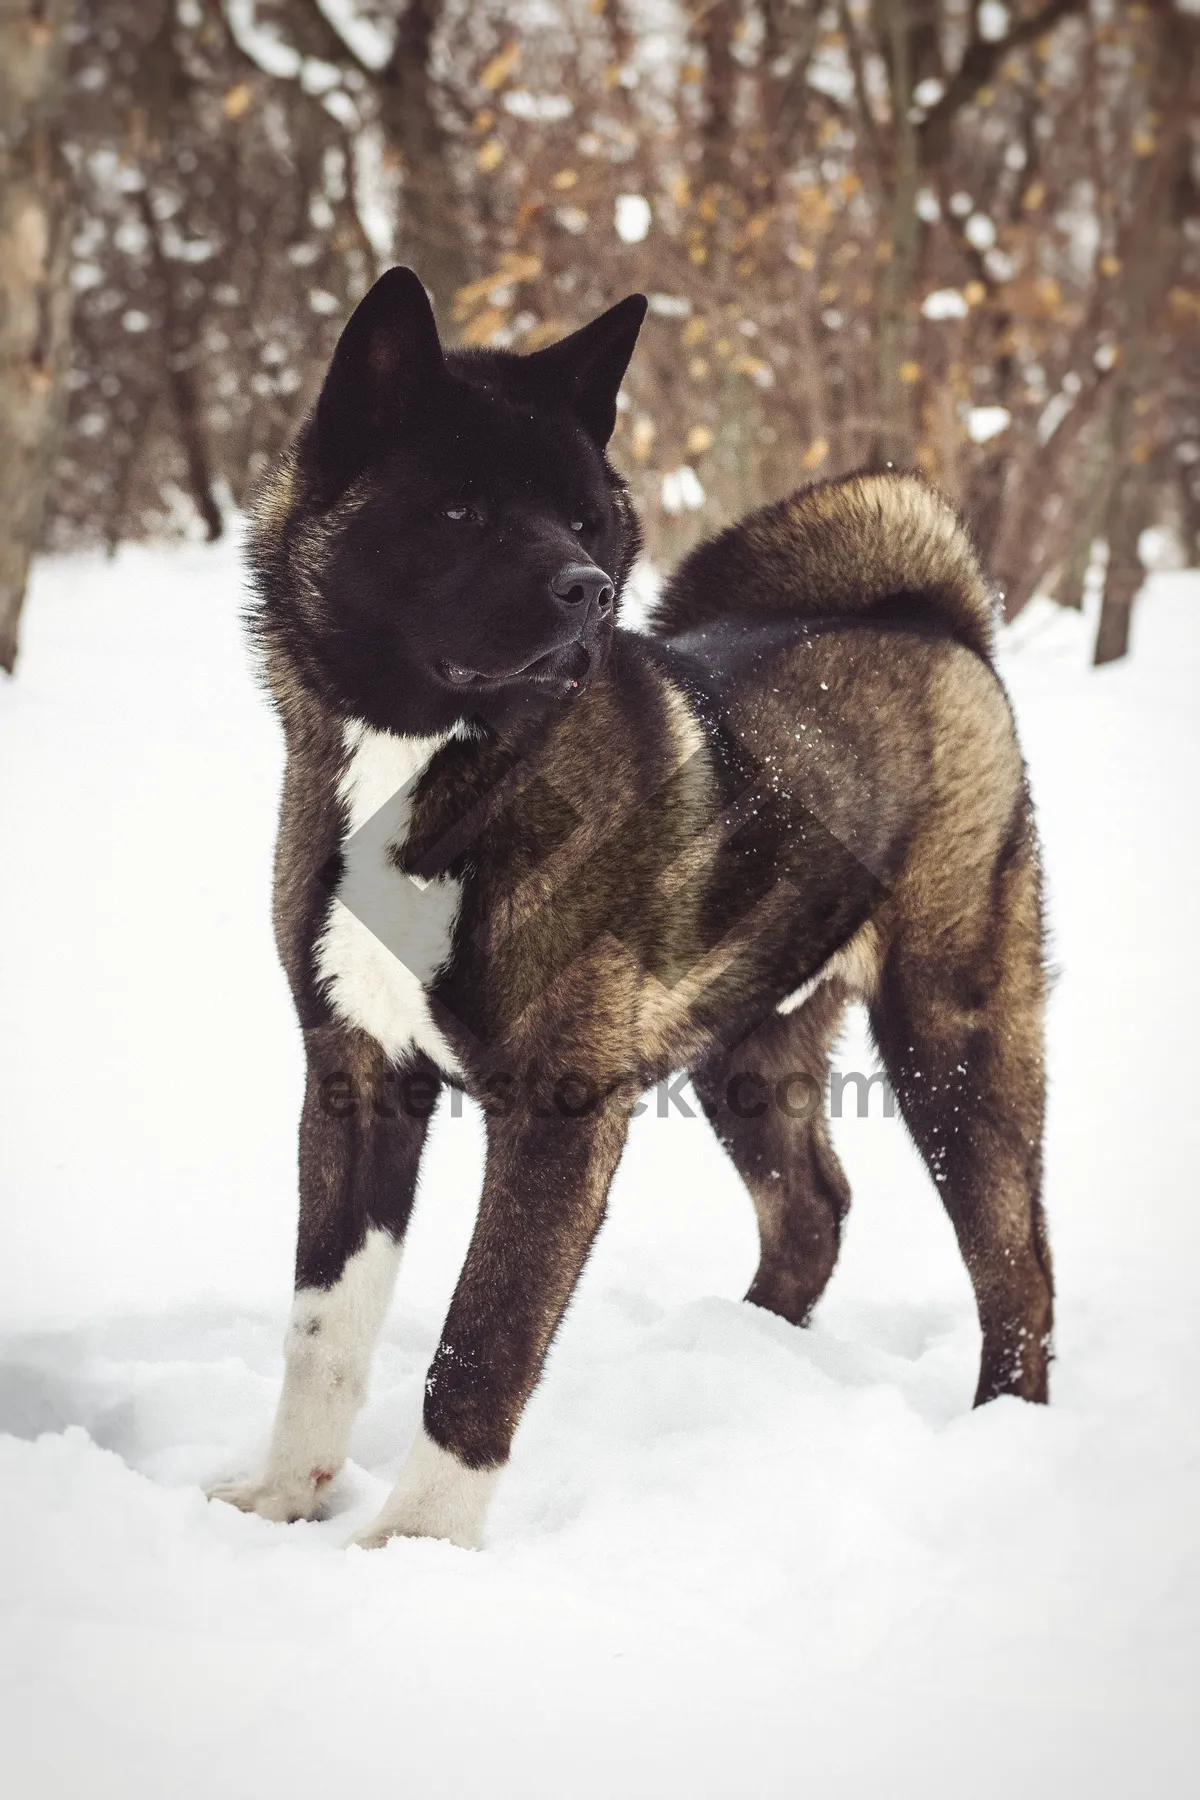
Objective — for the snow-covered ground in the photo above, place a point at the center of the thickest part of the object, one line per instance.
(729, 1558)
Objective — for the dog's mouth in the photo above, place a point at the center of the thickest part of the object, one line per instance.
(566, 668)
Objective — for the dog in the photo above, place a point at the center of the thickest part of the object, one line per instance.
(551, 861)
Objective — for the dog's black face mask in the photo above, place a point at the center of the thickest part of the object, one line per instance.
(471, 538)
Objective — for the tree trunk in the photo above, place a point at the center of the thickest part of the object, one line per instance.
(1125, 572)
(895, 371)
(1189, 514)
(714, 32)
(433, 233)
(1150, 257)
(1073, 579)
(179, 351)
(35, 296)
(1096, 484)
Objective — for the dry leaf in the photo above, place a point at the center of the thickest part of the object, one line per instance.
(547, 331)
(497, 72)
(514, 266)
(480, 330)
(642, 442)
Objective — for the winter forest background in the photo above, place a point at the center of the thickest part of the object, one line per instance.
(730, 1560)
(920, 231)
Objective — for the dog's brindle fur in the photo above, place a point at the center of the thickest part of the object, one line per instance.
(683, 850)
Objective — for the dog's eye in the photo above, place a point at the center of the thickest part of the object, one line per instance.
(457, 513)
(578, 525)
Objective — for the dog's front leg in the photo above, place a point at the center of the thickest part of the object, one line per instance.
(361, 1135)
(543, 1200)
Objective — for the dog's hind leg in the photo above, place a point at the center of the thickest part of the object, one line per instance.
(766, 1103)
(361, 1136)
(960, 1033)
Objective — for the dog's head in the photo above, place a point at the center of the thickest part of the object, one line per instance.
(446, 539)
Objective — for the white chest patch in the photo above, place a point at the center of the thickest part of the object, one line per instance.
(388, 933)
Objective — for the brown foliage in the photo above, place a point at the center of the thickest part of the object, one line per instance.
(884, 230)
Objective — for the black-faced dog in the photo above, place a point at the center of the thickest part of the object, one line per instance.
(551, 861)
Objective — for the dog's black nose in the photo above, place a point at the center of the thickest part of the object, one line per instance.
(583, 582)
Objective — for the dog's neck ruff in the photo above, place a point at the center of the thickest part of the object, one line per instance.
(387, 933)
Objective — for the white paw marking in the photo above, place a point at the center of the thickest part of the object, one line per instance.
(436, 1496)
(328, 1349)
(277, 1504)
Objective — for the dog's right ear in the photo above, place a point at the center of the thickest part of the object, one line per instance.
(387, 365)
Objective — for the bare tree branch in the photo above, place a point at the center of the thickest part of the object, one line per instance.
(983, 57)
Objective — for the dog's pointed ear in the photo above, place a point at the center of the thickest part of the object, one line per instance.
(587, 368)
(387, 364)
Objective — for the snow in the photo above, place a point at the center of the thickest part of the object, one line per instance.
(368, 38)
(729, 1558)
(670, 306)
(980, 231)
(631, 217)
(261, 43)
(682, 490)
(986, 422)
(543, 108)
(993, 21)
(945, 303)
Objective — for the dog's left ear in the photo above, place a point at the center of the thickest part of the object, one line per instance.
(587, 368)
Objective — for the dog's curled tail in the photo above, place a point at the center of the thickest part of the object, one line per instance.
(883, 546)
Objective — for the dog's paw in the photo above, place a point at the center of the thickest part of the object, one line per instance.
(436, 1496)
(379, 1532)
(284, 1503)
(388, 1525)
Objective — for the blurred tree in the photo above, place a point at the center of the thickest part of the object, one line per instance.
(934, 232)
(1162, 190)
(34, 294)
